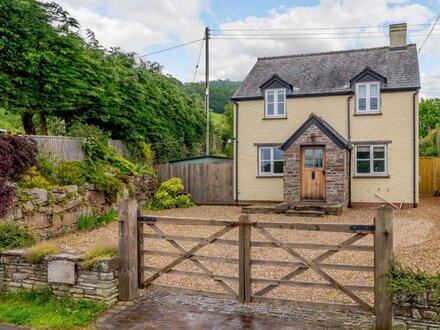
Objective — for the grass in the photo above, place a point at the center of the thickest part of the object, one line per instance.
(99, 253)
(105, 219)
(41, 309)
(86, 222)
(38, 252)
(216, 117)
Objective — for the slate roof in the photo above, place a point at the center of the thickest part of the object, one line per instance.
(331, 72)
(325, 127)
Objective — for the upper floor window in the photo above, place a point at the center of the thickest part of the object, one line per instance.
(367, 97)
(270, 161)
(275, 103)
(371, 160)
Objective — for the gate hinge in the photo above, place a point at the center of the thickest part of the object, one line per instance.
(146, 218)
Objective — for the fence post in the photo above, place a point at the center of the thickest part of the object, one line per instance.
(244, 290)
(140, 253)
(128, 259)
(383, 256)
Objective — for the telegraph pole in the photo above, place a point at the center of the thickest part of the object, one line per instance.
(207, 87)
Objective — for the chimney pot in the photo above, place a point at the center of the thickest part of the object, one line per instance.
(398, 36)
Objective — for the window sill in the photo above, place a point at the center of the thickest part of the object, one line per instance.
(269, 176)
(275, 118)
(371, 176)
(367, 113)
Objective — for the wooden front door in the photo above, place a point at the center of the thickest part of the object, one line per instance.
(313, 173)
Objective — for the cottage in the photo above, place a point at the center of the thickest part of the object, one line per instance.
(334, 127)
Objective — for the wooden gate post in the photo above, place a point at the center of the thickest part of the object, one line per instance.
(140, 253)
(244, 290)
(383, 257)
(128, 259)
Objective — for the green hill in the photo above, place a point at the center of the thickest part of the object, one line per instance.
(221, 92)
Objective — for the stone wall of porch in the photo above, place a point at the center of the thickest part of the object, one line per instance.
(336, 167)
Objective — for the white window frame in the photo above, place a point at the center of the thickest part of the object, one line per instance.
(276, 113)
(372, 146)
(271, 173)
(368, 97)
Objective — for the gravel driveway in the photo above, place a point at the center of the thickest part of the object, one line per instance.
(417, 241)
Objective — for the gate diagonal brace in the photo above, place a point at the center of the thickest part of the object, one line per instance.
(200, 265)
(299, 270)
(315, 267)
(187, 254)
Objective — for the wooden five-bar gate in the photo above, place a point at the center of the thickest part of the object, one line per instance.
(133, 252)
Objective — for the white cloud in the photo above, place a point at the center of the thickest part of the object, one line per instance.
(137, 24)
(234, 58)
(430, 84)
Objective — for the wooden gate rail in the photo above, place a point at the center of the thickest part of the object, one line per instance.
(382, 249)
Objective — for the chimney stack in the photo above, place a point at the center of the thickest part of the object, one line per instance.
(398, 36)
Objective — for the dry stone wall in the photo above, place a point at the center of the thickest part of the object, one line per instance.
(56, 211)
(63, 274)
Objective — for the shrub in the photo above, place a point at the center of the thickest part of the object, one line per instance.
(408, 284)
(122, 165)
(6, 197)
(99, 253)
(18, 151)
(38, 252)
(45, 166)
(86, 222)
(104, 219)
(70, 172)
(32, 179)
(13, 236)
(168, 195)
(105, 181)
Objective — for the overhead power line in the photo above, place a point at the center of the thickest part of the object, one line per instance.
(167, 49)
(433, 26)
(299, 37)
(198, 60)
(316, 28)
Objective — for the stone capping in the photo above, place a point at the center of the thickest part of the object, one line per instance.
(99, 283)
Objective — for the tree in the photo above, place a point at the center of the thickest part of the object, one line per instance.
(36, 42)
(48, 70)
(429, 115)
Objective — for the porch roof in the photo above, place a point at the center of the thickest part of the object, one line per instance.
(325, 127)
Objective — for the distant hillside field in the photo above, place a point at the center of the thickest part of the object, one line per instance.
(221, 92)
(216, 118)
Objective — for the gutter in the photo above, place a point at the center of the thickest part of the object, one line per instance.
(236, 152)
(414, 152)
(350, 150)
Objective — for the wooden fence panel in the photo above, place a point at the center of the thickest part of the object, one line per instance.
(69, 148)
(429, 171)
(207, 183)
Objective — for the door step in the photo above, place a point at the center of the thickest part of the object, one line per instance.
(305, 213)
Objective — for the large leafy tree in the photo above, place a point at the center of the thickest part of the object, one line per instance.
(429, 115)
(48, 69)
(37, 45)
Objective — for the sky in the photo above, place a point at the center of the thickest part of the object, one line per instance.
(262, 28)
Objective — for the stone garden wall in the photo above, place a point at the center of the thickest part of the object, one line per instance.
(63, 274)
(424, 309)
(56, 211)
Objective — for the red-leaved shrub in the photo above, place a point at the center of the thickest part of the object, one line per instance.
(6, 197)
(17, 154)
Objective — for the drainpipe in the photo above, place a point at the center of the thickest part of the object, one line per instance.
(414, 151)
(236, 152)
(349, 153)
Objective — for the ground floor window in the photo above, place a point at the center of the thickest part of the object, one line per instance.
(270, 161)
(371, 159)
